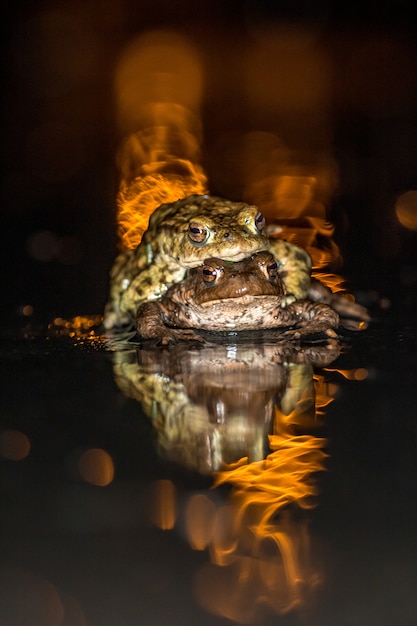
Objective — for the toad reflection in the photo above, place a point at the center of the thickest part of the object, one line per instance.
(242, 413)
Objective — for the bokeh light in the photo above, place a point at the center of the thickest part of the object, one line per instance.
(163, 504)
(200, 517)
(14, 445)
(406, 210)
(157, 67)
(96, 467)
(27, 599)
(158, 86)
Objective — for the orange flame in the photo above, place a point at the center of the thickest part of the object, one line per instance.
(158, 86)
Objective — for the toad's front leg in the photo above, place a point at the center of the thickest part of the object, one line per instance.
(315, 317)
(151, 324)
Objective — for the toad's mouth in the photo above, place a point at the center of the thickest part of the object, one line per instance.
(267, 300)
(229, 254)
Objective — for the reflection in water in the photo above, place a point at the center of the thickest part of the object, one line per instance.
(244, 413)
(217, 404)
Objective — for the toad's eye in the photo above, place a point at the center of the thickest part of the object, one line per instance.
(197, 233)
(259, 221)
(210, 274)
(272, 269)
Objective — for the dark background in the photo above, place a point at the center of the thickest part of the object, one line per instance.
(60, 134)
(58, 241)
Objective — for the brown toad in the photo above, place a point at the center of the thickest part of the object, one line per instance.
(235, 296)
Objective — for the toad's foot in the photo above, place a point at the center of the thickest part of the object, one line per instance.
(286, 300)
(314, 317)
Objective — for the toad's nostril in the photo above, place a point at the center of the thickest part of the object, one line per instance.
(226, 235)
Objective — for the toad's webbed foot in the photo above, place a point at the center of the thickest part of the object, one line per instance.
(169, 336)
(286, 300)
(315, 317)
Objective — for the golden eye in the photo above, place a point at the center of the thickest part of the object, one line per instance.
(259, 221)
(210, 274)
(272, 269)
(197, 233)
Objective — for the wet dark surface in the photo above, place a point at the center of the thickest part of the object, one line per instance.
(94, 553)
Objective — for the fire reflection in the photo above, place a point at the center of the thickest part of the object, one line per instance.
(246, 414)
(266, 554)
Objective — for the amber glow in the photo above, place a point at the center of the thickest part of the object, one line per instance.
(325, 392)
(96, 467)
(27, 310)
(258, 555)
(200, 521)
(359, 373)
(260, 550)
(158, 85)
(406, 210)
(14, 445)
(85, 330)
(163, 504)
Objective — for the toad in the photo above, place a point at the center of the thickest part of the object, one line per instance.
(235, 296)
(180, 236)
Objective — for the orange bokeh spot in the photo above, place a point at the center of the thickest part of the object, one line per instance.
(96, 467)
(406, 210)
(14, 445)
(163, 504)
(200, 518)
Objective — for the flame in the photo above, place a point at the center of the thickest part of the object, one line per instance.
(158, 84)
(358, 373)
